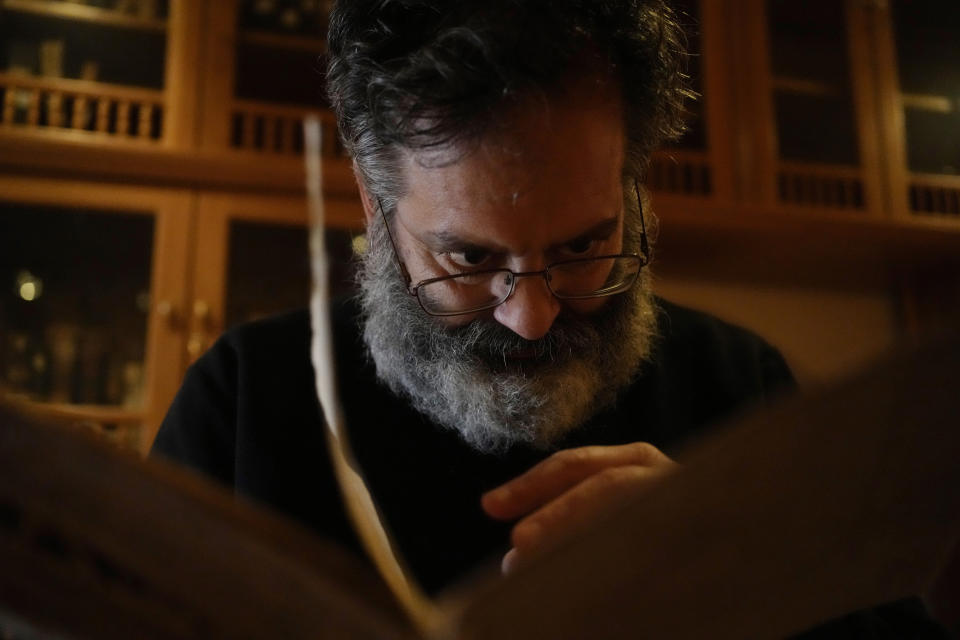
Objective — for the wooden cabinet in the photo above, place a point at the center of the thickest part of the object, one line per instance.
(825, 148)
(177, 173)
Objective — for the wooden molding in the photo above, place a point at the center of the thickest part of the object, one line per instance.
(74, 11)
(84, 155)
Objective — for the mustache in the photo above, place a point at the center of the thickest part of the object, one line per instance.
(494, 344)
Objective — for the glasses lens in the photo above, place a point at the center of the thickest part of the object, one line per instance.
(465, 292)
(593, 278)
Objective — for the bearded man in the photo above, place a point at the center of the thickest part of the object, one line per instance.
(505, 369)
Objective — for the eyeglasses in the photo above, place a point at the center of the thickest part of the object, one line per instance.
(577, 279)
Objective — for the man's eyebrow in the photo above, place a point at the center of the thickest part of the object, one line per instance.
(444, 241)
(448, 241)
(600, 231)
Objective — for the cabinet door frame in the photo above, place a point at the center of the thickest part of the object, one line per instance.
(723, 136)
(215, 211)
(172, 211)
(905, 187)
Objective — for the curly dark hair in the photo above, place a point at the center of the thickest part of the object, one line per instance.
(429, 74)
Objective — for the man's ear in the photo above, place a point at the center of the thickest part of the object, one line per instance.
(369, 206)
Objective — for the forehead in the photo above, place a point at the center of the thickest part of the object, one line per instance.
(550, 172)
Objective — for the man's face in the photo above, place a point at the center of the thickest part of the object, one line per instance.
(544, 187)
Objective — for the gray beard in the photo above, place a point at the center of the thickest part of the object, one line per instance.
(463, 378)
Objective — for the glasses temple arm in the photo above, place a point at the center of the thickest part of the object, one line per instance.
(644, 247)
(396, 253)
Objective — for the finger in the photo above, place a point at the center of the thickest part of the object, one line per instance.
(561, 471)
(577, 507)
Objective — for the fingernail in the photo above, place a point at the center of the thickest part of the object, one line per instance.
(509, 562)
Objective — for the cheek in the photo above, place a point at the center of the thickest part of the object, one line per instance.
(459, 321)
(586, 307)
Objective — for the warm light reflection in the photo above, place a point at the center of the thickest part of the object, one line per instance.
(28, 291)
(29, 287)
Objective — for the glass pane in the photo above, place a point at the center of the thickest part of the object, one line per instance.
(52, 46)
(74, 296)
(818, 129)
(928, 61)
(301, 81)
(809, 40)
(282, 34)
(286, 17)
(815, 115)
(269, 269)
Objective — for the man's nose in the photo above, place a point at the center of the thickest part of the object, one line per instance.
(531, 310)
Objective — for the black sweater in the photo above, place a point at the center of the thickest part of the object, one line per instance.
(247, 415)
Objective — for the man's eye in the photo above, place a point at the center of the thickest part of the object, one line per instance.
(580, 246)
(469, 258)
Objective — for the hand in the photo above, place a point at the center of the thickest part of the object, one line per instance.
(568, 490)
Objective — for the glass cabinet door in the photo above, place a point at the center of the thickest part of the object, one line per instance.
(87, 300)
(76, 304)
(252, 260)
(268, 268)
(816, 144)
(924, 108)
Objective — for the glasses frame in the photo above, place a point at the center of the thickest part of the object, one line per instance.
(413, 289)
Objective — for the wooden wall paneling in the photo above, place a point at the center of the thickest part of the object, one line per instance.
(183, 73)
(217, 93)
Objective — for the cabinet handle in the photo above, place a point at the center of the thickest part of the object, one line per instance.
(195, 345)
(197, 341)
(201, 310)
(168, 312)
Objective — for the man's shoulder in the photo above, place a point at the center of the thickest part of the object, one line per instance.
(683, 330)
(698, 348)
(678, 323)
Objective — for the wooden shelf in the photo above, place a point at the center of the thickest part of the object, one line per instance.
(60, 411)
(282, 41)
(83, 13)
(806, 87)
(72, 154)
(801, 246)
(90, 88)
